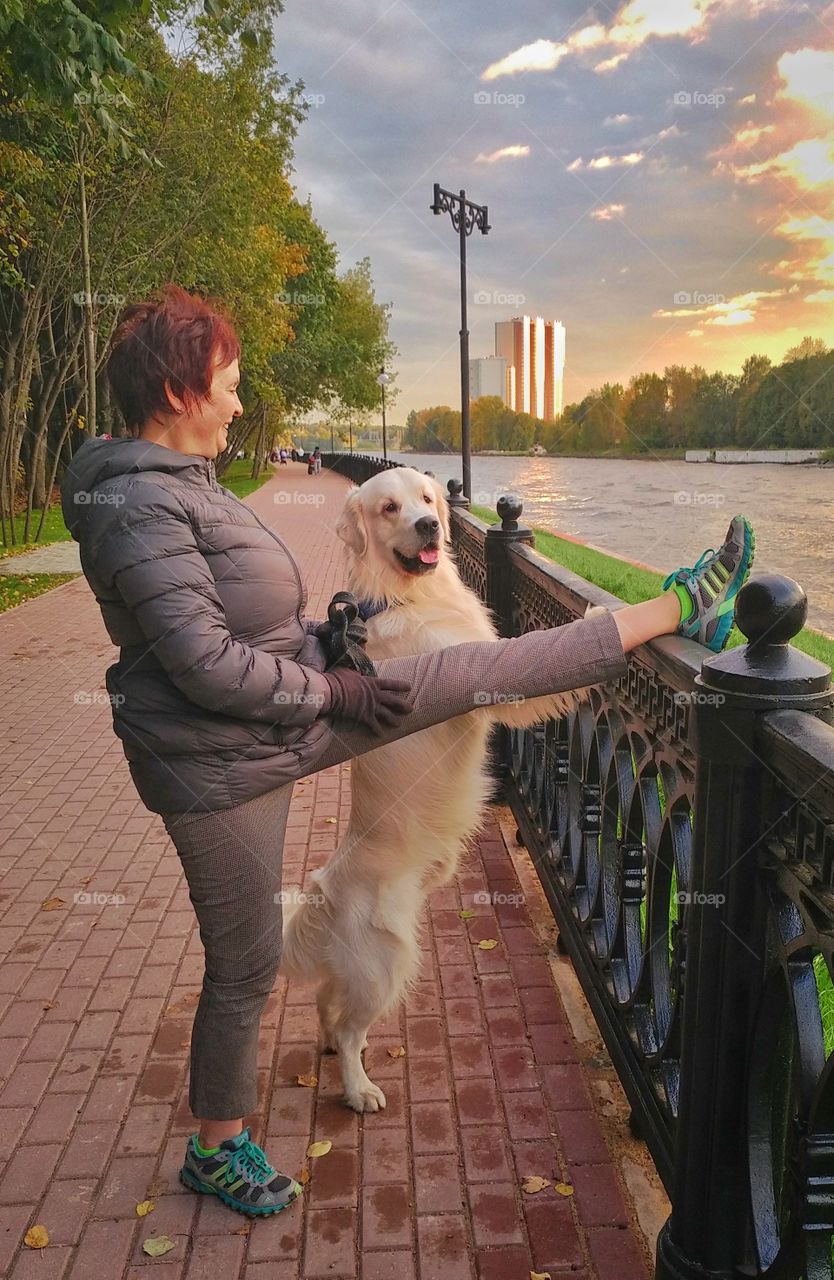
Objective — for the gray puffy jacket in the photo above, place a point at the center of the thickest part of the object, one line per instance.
(218, 694)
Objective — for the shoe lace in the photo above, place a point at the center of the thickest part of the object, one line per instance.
(250, 1160)
(686, 575)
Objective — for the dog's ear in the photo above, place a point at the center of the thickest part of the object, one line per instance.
(442, 508)
(350, 526)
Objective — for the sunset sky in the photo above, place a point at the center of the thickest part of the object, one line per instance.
(659, 175)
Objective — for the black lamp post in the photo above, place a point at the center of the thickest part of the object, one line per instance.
(383, 379)
(465, 216)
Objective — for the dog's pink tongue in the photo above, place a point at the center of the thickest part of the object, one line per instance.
(429, 555)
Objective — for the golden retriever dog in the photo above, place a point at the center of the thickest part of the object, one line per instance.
(415, 802)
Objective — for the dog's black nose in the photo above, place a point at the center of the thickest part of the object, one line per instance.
(427, 526)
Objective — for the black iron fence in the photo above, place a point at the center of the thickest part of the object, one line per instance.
(682, 825)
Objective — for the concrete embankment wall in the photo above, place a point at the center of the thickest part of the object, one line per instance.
(784, 456)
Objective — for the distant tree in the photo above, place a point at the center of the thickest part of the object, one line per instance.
(645, 412)
(805, 349)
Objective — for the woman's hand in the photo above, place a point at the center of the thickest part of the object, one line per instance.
(379, 704)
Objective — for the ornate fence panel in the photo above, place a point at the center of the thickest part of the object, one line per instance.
(682, 825)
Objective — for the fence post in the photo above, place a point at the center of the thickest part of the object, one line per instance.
(499, 539)
(709, 1231)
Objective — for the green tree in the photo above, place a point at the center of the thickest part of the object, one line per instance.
(645, 412)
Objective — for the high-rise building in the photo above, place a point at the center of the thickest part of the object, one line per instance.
(488, 377)
(534, 350)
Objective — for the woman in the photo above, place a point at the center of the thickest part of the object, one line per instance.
(221, 699)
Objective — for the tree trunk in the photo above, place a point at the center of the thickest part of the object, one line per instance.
(89, 327)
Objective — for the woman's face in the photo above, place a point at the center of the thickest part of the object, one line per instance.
(212, 417)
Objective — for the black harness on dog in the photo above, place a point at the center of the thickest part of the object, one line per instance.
(345, 635)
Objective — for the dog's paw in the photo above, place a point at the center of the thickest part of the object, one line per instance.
(595, 609)
(369, 1098)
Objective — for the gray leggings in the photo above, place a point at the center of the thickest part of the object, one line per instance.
(232, 858)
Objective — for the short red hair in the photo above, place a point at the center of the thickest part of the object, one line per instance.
(176, 337)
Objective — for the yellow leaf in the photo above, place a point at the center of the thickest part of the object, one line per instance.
(155, 1246)
(304, 1176)
(52, 904)
(36, 1237)
(330, 820)
(465, 914)
(319, 1148)
(399, 1052)
(534, 1184)
(564, 1188)
(144, 1207)
(309, 1081)
(539, 1275)
(486, 944)
(50, 1004)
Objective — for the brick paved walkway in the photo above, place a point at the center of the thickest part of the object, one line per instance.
(101, 971)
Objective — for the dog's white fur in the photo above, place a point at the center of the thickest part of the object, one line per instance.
(415, 802)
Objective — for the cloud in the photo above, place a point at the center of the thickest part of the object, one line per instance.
(503, 153)
(821, 295)
(715, 309)
(622, 118)
(607, 212)
(639, 21)
(608, 162)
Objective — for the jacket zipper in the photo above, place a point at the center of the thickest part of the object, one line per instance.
(210, 471)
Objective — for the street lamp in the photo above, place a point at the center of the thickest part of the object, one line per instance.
(465, 216)
(383, 379)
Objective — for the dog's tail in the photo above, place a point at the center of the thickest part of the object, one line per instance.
(306, 929)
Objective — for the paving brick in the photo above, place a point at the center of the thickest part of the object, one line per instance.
(384, 1156)
(432, 1128)
(386, 1216)
(617, 1255)
(66, 1209)
(103, 1251)
(442, 1246)
(437, 1186)
(27, 1173)
(495, 1218)
(599, 1197)
(387, 1265)
(215, 1256)
(329, 1244)
(335, 1179)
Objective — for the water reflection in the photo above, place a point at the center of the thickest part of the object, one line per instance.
(664, 513)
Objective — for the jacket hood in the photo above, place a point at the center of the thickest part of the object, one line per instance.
(100, 459)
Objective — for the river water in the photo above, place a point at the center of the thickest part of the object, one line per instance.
(665, 513)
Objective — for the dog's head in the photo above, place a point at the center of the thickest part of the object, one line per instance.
(396, 524)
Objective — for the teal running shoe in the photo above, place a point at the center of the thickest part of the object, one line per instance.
(708, 590)
(239, 1173)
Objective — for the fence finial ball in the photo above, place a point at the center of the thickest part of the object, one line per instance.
(455, 487)
(771, 609)
(509, 508)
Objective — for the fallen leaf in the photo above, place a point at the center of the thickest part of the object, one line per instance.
(534, 1184)
(144, 1207)
(243, 1231)
(466, 914)
(399, 1052)
(304, 1176)
(36, 1237)
(564, 1188)
(487, 944)
(52, 904)
(330, 820)
(50, 1004)
(155, 1246)
(309, 1081)
(319, 1148)
(539, 1275)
